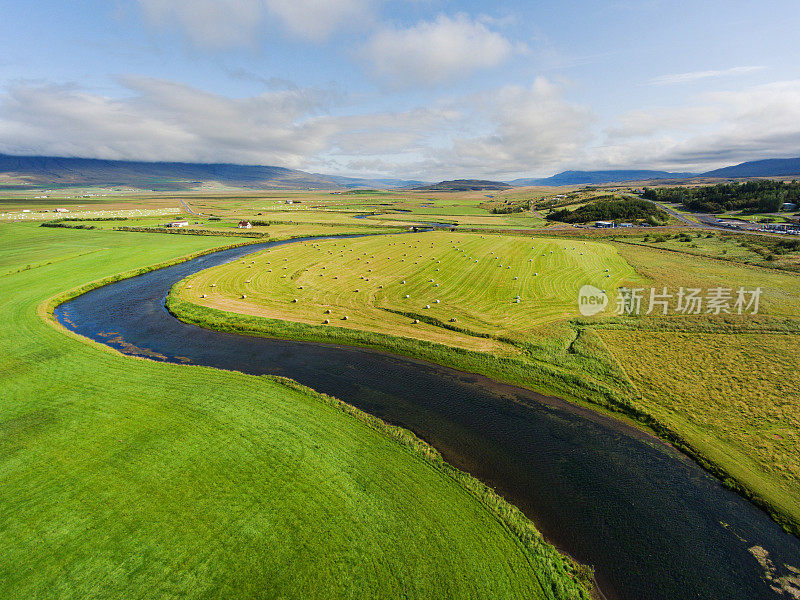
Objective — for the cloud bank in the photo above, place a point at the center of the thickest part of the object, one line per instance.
(233, 23)
(434, 52)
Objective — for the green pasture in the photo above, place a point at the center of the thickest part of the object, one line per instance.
(125, 478)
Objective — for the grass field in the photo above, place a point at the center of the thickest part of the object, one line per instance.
(125, 478)
(732, 396)
(718, 386)
(471, 278)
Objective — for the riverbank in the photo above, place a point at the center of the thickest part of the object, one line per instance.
(589, 372)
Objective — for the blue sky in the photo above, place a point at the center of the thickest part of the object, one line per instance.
(423, 88)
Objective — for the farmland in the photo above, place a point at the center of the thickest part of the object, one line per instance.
(129, 478)
(388, 289)
(491, 286)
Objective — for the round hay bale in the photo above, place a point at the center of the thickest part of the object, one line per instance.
(295, 300)
(326, 321)
(344, 318)
(416, 321)
(244, 295)
(427, 306)
(202, 295)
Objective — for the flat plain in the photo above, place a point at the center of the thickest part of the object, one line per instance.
(128, 478)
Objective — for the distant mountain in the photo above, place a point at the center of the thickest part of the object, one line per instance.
(352, 182)
(598, 177)
(47, 171)
(464, 185)
(772, 167)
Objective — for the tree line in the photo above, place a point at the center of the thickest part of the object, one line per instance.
(753, 196)
(618, 209)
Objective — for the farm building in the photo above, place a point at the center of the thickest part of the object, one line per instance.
(245, 225)
(789, 206)
(61, 210)
(604, 224)
(178, 224)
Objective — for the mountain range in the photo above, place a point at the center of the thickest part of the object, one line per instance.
(773, 167)
(23, 172)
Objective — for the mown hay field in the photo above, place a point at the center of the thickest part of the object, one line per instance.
(484, 288)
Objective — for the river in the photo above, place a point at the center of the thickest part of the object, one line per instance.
(652, 523)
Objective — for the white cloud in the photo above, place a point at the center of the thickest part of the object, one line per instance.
(693, 76)
(434, 52)
(531, 129)
(232, 23)
(502, 133)
(162, 120)
(716, 129)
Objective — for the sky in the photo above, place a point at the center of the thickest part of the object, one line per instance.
(414, 89)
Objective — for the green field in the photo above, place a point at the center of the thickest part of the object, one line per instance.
(125, 478)
(722, 408)
(471, 278)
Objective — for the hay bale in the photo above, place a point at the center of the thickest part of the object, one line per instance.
(344, 318)
(416, 321)
(427, 306)
(326, 321)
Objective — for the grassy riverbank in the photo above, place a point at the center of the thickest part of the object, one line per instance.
(723, 408)
(128, 478)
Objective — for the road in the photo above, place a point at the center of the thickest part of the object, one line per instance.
(188, 209)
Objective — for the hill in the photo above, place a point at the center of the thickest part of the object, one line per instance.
(50, 171)
(465, 185)
(596, 177)
(772, 167)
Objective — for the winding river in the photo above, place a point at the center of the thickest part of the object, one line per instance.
(653, 524)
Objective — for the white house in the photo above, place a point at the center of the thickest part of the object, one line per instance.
(245, 225)
(178, 224)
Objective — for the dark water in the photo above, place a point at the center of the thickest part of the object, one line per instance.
(653, 524)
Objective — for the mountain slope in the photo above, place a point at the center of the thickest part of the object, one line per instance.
(39, 171)
(464, 185)
(772, 167)
(595, 177)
